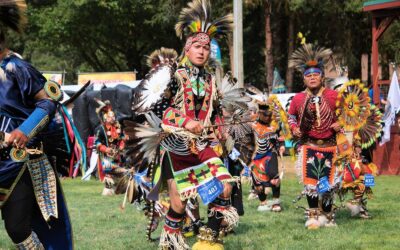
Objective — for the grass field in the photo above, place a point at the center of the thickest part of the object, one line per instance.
(98, 223)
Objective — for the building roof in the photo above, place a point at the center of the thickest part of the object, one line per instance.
(381, 5)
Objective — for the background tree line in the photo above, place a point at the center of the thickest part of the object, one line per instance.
(116, 35)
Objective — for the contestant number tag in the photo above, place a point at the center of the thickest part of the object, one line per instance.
(210, 190)
(369, 180)
(323, 185)
(246, 171)
(234, 155)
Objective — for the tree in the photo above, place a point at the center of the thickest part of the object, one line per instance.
(269, 58)
(116, 35)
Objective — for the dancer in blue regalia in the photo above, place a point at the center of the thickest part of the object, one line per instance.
(31, 199)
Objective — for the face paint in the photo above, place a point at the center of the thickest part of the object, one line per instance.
(312, 70)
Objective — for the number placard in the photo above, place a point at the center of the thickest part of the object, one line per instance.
(323, 185)
(246, 171)
(210, 190)
(369, 180)
(234, 155)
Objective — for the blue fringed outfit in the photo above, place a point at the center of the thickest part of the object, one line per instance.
(19, 84)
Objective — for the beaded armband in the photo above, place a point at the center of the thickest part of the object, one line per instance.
(35, 122)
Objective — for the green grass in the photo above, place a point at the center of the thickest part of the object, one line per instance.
(98, 223)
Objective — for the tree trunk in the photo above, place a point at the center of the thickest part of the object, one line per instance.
(291, 38)
(230, 46)
(269, 60)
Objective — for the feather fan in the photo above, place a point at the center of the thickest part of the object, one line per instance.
(233, 97)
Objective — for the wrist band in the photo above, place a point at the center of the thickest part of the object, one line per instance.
(34, 123)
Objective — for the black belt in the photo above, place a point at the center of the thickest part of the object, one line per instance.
(330, 141)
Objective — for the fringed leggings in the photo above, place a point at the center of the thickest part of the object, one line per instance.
(19, 210)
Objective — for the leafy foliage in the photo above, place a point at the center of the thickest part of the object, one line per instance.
(116, 35)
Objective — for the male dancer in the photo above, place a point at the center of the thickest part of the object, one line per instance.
(31, 199)
(313, 121)
(188, 107)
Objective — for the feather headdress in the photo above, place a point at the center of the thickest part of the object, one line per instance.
(196, 18)
(273, 106)
(13, 14)
(309, 56)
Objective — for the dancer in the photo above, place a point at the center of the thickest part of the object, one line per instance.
(314, 123)
(109, 143)
(265, 170)
(31, 199)
(189, 104)
(271, 122)
(362, 122)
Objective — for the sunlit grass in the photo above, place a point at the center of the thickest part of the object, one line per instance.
(98, 222)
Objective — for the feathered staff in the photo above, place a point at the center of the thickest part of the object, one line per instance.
(234, 101)
(231, 95)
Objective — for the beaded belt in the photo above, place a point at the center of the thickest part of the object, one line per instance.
(326, 142)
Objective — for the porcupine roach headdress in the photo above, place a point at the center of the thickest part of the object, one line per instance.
(195, 23)
(309, 59)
